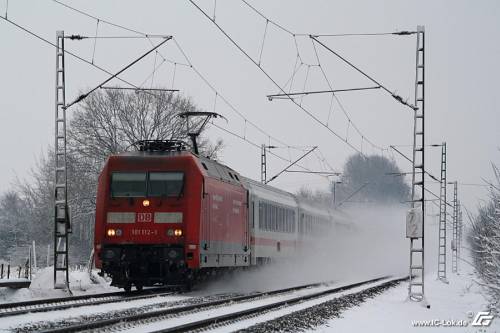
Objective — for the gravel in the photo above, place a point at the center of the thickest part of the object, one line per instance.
(319, 314)
(46, 325)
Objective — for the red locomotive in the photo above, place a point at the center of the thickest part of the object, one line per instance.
(165, 215)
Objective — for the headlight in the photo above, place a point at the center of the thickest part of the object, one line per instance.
(170, 232)
(114, 232)
(178, 232)
(145, 203)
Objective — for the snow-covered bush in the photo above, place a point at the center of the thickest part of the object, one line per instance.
(484, 239)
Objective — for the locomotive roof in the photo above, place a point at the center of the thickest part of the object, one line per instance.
(212, 167)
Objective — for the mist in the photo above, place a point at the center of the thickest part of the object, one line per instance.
(372, 245)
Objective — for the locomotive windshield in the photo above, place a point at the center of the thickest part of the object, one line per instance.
(128, 184)
(141, 184)
(165, 184)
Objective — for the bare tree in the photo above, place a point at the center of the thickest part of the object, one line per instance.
(318, 197)
(107, 122)
(381, 175)
(110, 121)
(13, 226)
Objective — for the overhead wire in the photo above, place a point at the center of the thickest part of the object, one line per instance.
(308, 68)
(33, 34)
(400, 33)
(222, 98)
(143, 34)
(393, 94)
(338, 99)
(268, 19)
(83, 96)
(263, 41)
(315, 118)
(95, 40)
(196, 71)
(151, 74)
(258, 12)
(97, 18)
(294, 35)
(269, 151)
(154, 69)
(115, 37)
(188, 64)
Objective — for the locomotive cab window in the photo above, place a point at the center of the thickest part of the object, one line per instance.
(165, 184)
(128, 184)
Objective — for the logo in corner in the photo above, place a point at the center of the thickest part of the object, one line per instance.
(483, 319)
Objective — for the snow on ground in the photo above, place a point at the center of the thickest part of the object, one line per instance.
(42, 286)
(14, 280)
(9, 324)
(80, 283)
(219, 311)
(392, 312)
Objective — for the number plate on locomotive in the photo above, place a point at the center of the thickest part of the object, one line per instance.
(144, 232)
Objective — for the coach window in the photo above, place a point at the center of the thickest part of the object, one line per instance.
(290, 221)
(275, 218)
(165, 184)
(278, 219)
(128, 184)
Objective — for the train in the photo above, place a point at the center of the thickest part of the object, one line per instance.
(165, 215)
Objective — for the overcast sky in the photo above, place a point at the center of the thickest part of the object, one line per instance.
(462, 52)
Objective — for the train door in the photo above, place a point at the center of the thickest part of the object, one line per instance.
(246, 222)
(252, 224)
(247, 213)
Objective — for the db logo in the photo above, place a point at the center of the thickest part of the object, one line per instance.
(143, 217)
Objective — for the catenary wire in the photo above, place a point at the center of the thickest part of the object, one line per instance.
(294, 35)
(33, 34)
(138, 87)
(273, 81)
(189, 64)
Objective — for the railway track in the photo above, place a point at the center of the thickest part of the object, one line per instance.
(62, 303)
(232, 317)
(152, 321)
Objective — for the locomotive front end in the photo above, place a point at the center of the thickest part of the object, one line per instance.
(147, 219)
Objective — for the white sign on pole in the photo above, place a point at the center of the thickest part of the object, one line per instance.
(414, 224)
(34, 256)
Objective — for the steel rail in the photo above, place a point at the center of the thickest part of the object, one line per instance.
(158, 314)
(172, 311)
(204, 323)
(51, 304)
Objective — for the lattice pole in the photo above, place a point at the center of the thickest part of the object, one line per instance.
(442, 218)
(61, 213)
(416, 285)
(454, 241)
